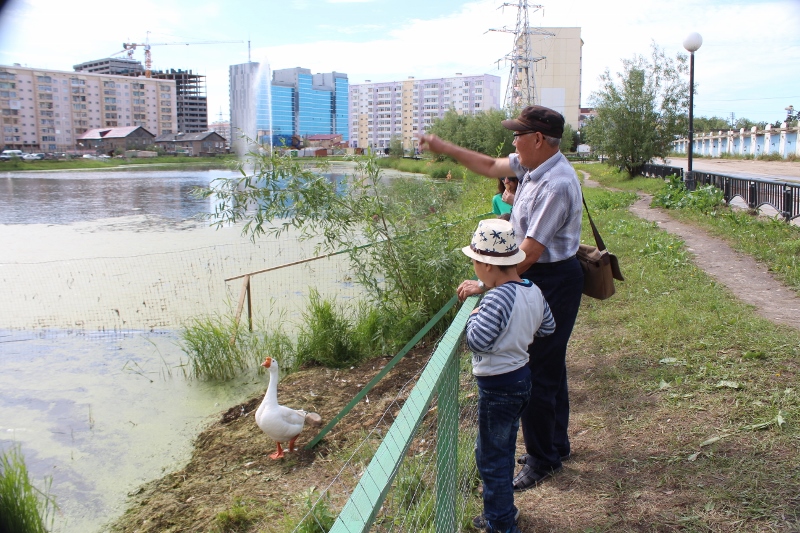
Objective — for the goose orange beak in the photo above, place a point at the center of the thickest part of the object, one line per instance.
(267, 362)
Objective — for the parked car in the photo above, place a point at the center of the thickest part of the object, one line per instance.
(8, 155)
(103, 156)
(89, 156)
(33, 157)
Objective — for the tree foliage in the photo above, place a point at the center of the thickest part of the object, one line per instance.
(395, 147)
(401, 248)
(713, 124)
(640, 111)
(482, 132)
(568, 143)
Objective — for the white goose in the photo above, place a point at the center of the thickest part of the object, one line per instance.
(281, 423)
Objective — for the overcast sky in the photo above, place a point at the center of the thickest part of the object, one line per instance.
(749, 63)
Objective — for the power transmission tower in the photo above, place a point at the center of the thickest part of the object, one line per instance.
(521, 89)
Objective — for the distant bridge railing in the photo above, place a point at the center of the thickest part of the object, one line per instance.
(782, 196)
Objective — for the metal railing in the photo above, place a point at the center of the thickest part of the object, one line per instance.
(661, 171)
(782, 196)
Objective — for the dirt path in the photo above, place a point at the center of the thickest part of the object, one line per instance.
(743, 275)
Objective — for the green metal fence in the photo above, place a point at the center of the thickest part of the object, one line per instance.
(439, 382)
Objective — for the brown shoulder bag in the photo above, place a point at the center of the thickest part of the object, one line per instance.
(600, 267)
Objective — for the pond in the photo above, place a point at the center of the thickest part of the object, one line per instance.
(103, 409)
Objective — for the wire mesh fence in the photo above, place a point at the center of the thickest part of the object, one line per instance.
(414, 470)
(164, 290)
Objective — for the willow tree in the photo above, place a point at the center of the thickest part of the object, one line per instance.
(640, 110)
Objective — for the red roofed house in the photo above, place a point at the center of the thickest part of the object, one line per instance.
(116, 140)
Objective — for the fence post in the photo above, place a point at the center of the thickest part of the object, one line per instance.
(688, 180)
(787, 202)
(447, 447)
(245, 293)
(726, 189)
(752, 195)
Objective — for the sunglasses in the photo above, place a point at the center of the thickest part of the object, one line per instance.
(510, 179)
(518, 133)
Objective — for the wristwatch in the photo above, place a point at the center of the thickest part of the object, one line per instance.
(481, 285)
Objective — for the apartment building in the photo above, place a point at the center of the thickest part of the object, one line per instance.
(285, 105)
(47, 110)
(557, 77)
(191, 102)
(382, 111)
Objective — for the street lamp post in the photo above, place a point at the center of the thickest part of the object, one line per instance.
(692, 43)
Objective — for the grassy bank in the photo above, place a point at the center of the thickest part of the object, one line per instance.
(80, 163)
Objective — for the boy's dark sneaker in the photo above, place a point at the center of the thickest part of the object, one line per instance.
(479, 522)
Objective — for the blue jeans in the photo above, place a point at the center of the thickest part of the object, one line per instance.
(545, 421)
(499, 410)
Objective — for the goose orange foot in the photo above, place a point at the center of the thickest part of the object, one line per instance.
(278, 454)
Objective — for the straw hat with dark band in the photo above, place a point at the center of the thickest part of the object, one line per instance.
(494, 243)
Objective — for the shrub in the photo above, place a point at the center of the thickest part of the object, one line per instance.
(676, 196)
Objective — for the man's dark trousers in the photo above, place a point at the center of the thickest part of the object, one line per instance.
(545, 420)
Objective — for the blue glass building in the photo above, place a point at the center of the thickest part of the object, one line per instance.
(287, 105)
(304, 104)
(283, 105)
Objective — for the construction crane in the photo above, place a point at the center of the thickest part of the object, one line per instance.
(148, 63)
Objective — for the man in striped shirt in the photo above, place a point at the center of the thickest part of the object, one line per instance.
(499, 332)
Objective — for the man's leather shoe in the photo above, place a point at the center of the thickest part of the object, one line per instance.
(528, 478)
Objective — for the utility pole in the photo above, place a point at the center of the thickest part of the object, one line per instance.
(733, 120)
(521, 89)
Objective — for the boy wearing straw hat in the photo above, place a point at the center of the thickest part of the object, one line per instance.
(499, 331)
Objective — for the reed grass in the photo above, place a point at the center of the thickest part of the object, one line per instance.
(23, 507)
(212, 354)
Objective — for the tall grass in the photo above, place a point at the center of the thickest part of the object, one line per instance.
(23, 507)
(80, 163)
(219, 349)
(213, 354)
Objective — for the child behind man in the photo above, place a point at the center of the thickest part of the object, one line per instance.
(498, 333)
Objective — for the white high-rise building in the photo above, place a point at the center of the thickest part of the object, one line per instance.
(404, 109)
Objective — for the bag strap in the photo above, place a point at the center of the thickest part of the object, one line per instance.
(597, 238)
